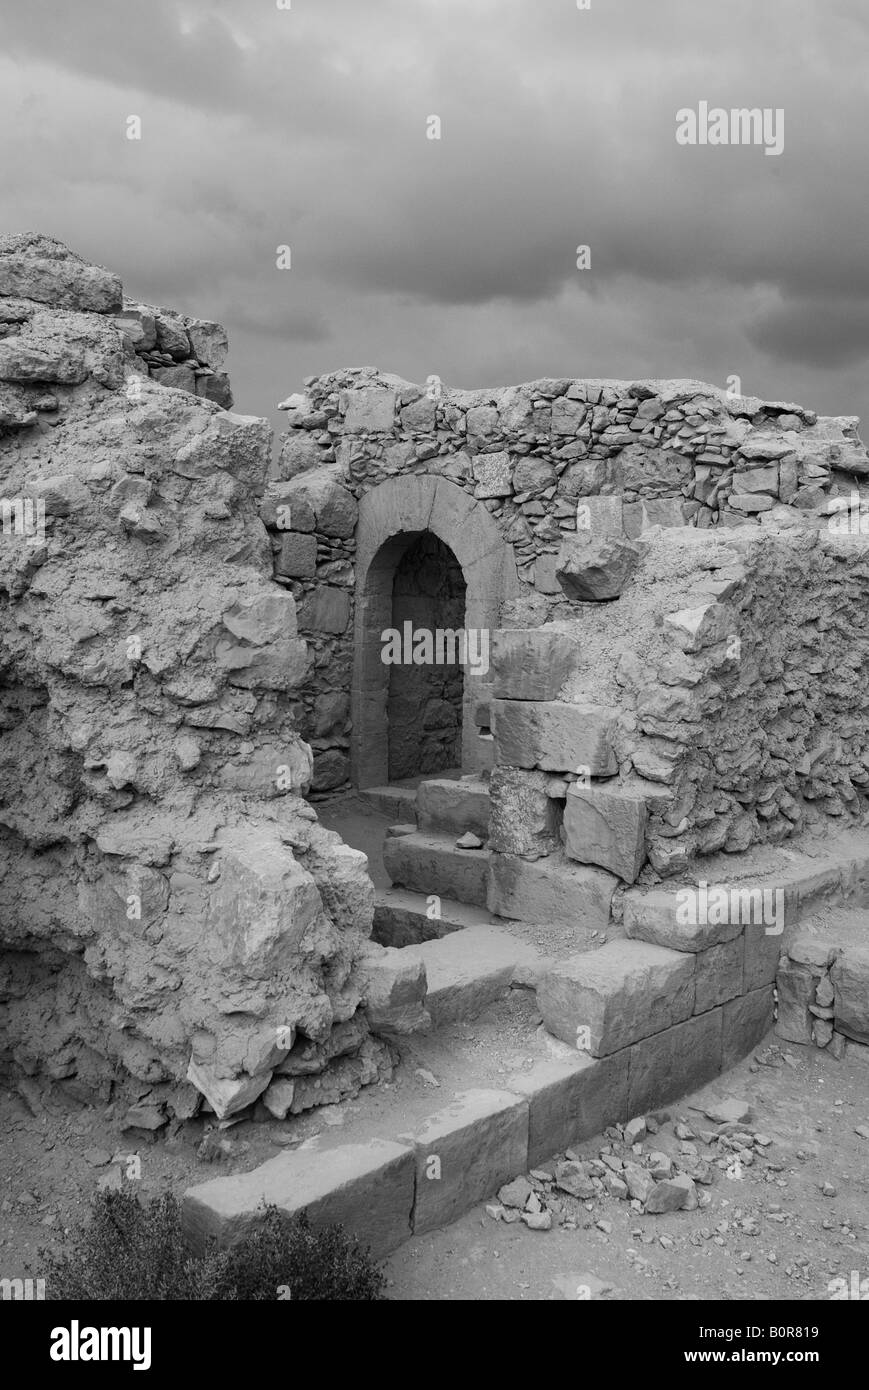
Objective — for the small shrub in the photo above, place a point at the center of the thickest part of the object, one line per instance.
(130, 1250)
(282, 1254)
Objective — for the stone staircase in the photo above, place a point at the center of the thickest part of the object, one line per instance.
(438, 887)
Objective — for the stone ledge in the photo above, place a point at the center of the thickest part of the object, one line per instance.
(572, 1099)
(466, 1152)
(613, 997)
(367, 1188)
(654, 916)
(381, 1190)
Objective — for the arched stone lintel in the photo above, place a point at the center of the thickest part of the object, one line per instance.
(391, 516)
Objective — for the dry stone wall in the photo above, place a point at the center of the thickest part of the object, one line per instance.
(174, 922)
(682, 536)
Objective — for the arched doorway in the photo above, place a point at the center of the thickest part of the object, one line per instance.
(429, 527)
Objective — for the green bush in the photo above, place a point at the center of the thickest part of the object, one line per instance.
(132, 1250)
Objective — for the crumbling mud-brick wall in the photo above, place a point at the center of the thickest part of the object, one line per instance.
(541, 459)
(171, 911)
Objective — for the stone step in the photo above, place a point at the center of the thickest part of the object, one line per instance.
(485, 1125)
(399, 803)
(402, 918)
(444, 806)
(469, 970)
(432, 864)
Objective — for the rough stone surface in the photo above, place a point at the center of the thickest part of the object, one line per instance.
(555, 737)
(623, 992)
(593, 567)
(393, 991)
(532, 665)
(553, 889)
(154, 821)
(466, 1152)
(746, 1021)
(468, 970)
(525, 819)
(672, 1063)
(571, 1099)
(718, 974)
(850, 977)
(606, 826)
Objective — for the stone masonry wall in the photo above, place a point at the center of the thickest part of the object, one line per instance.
(719, 702)
(619, 459)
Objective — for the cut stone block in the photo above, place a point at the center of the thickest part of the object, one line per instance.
(399, 803)
(297, 557)
(758, 480)
(617, 995)
(606, 826)
(674, 918)
(325, 609)
(470, 969)
(555, 737)
(526, 821)
(850, 977)
(718, 974)
(763, 951)
(393, 991)
(795, 985)
(493, 475)
(672, 1063)
(571, 1100)
(599, 516)
(466, 1152)
(370, 410)
(532, 663)
(444, 805)
(366, 1188)
(432, 864)
(554, 889)
(747, 1020)
(652, 511)
(593, 567)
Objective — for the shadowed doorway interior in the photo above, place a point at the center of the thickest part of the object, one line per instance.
(424, 706)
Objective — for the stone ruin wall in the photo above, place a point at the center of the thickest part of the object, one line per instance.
(171, 911)
(161, 696)
(733, 664)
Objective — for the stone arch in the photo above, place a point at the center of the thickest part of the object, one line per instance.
(391, 517)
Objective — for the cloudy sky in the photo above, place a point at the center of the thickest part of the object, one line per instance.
(307, 127)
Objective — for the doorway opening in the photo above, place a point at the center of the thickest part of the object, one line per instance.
(425, 695)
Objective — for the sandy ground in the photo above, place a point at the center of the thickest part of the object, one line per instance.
(768, 1235)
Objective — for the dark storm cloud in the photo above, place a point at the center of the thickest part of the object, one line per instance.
(816, 332)
(307, 127)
